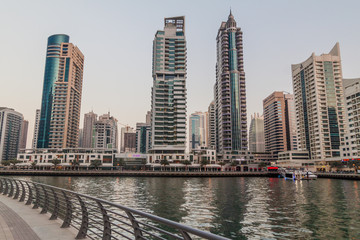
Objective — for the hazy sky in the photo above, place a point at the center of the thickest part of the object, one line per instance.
(116, 39)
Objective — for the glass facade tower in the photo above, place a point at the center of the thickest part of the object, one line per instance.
(61, 97)
(230, 92)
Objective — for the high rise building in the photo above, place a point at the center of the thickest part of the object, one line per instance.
(10, 130)
(211, 126)
(124, 140)
(105, 134)
(351, 147)
(61, 98)
(143, 135)
(130, 142)
(279, 123)
(319, 104)
(24, 133)
(198, 134)
(168, 123)
(36, 129)
(88, 129)
(256, 134)
(230, 92)
(148, 117)
(81, 137)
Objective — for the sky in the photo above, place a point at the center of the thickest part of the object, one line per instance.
(116, 38)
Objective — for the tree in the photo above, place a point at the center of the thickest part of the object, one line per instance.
(56, 162)
(164, 162)
(336, 164)
(262, 165)
(14, 162)
(221, 164)
(95, 164)
(75, 164)
(33, 165)
(5, 163)
(353, 164)
(204, 162)
(187, 163)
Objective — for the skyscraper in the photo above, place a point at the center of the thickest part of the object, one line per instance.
(256, 134)
(148, 117)
(351, 147)
(143, 135)
(211, 126)
(125, 141)
(88, 129)
(168, 123)
(10, 130)
(24, 133)
(36, 129)
(279, 123)
(198, 130)
(105, 134)
(230, 92)
(61, 98)
(319, 105)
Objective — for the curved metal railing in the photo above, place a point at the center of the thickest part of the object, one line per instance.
(95, 218)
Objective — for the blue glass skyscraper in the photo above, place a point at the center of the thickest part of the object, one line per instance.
(50, 77)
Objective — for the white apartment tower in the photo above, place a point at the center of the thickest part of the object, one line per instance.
(319, 104)
(88, 129)
(105, 132)
(168, 120)
(36, 128)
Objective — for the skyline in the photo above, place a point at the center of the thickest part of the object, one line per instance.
(273, 52)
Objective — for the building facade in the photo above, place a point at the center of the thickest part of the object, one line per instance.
(168, 108)
(36, 129)
(319, 104)
(211, 126)
(105, 133)
(88, 129)
(351, 147)
(61, 98)
(128, 139)
(24, 134)
(143, 135)
(256, 134)
(198, 134)
(230, 91)
(10, 131)
(279, 123)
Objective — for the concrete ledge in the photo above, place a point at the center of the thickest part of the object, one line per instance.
(39, 223)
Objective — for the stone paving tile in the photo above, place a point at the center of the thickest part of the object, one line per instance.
(13, 227)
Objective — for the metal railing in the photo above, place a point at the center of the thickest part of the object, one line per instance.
(95, 218)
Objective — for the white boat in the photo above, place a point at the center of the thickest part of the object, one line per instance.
(297, 175)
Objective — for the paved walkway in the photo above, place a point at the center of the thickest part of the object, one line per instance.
(20, 222)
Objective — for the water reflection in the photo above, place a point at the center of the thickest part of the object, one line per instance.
(238, 208)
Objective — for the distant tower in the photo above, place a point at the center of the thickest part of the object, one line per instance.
(105, 134)
(88, 129)
(36, 129)
(61, 98)
(198, 130)
(211, 126)
(148, 117)
(230, 92)
(319, 104)
(24, 133)
(256, 134)
(143, 135)
(279, 123)
(10, 130)
(168, 123)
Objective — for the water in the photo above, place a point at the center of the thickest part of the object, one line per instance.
(237, 208)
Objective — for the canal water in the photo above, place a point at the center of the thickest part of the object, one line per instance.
(237, 208)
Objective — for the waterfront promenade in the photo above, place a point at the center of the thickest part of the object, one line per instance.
(117, 173)
(21, 222)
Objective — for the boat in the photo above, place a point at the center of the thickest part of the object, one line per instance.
(297, 175)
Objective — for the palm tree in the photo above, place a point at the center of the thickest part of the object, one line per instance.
(33, 165)
(14, 162)
(233, 164)
(56, 162)
(164, 162)
(187, 163)
(75, 164)
(336, 164)
(96, 164)
(221, 164)
(204, 162)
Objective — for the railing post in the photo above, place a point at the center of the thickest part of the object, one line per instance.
(68, 216)
(185, 235)
(6, 187)
(85, 220)
(1, 185)
(37, 198)
(46, 201)
(23, 192)
(17, 192)
(107, 224)
(135, 225)
(30, 198)
(11, 188)
(56, 206)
